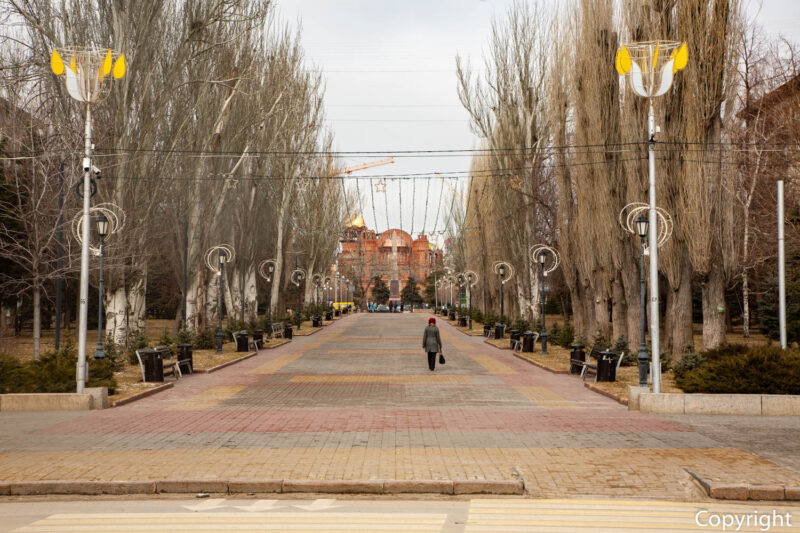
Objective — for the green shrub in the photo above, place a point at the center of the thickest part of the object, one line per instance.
(566, 336)
(688, 362)
(600, 339)
(554, 330)
(138, 342)
(477, 315)
(205, 339)
(54, 372)
(185, 336)
(739, 369)
(521, 325)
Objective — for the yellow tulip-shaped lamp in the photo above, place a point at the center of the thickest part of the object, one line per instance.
(88, 76)
(651, 67)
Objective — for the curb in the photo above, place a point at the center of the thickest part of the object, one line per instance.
(486, 341)
(540, 365)
(248, 486)
(313, 330)
(598, 390)
(745, 491)
(143, 394)
(223, 365)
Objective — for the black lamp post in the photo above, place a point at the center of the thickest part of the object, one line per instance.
(270, 270)
(102, 231)
(502, 272)
(642, 227)
(221, 275)
(543, 335)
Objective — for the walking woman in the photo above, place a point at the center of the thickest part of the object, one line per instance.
(431, 342)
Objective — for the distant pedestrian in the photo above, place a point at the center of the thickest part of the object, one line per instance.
(431, 342)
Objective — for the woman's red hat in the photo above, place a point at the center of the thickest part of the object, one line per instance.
(431, 320)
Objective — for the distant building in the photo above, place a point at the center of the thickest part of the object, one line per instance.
(394, 255)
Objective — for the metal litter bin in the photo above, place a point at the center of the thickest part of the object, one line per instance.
(287, 331)
(329, 315)
(153, 365)
(514, 336)
(486, 329)
(462, 321)
(527, 341)
(241, 340)
(316, 321)
(607, 366)
(577, 354)
(499, 330)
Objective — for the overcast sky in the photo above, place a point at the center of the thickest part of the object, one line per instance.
(389, 68)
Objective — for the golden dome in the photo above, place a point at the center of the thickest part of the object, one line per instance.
(355, 221)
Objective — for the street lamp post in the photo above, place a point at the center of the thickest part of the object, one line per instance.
(225, 254)
(102, 232)
(298, 274)
(633, 219)
(88, 80)
(652, 66)
(470, 279)
(641, 228)
(538, 254)
(266, 268)
(505, 272)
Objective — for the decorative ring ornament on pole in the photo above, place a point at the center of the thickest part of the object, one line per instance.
(264, 271)
(297, 276)
(632, 211)
(212, 262)
(116, 222)
(509, 270)
(535, 251)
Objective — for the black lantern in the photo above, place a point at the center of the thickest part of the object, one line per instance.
(642, 225)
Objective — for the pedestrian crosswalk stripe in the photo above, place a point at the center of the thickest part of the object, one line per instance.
(238, 521)
(594, 516)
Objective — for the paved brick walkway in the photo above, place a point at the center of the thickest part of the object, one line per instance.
(356, 401)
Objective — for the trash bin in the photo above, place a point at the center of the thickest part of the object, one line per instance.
(344, 310)
(527, 341)
(316, 321)
(185, 361)
(337, 313)
(462, 321)
(153, 366)
(486, 329)
(499, 330)
(328, 315)
(258, 337)
(451, 315)
(606, 366)
(287, 331)
(514, 336)
(577, 354)
(241, 340)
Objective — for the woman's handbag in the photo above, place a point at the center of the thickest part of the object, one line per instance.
(441, 358)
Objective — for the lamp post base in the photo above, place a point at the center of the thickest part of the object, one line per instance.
(643, 364)
(544, 342)
(219, 340)
(99, 353)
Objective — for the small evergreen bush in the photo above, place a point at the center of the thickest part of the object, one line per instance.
(740, 369)
(205, 339)
(566, 336)
(688, 362)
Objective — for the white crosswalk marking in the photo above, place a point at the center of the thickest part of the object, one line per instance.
(241, 521)
(596, 516)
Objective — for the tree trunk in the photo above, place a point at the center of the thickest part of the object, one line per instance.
(681, 311)
(619, 324)
(714, 308)
(633, 307)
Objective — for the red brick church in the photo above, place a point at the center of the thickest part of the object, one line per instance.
(394, 255)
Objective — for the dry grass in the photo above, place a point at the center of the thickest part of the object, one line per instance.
(504, 344)
(557, 358)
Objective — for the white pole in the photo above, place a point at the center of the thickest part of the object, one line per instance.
(84, 289)
(653, 238)
(781, 270)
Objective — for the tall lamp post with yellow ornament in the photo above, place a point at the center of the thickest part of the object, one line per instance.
(88, 79)
(650, 67)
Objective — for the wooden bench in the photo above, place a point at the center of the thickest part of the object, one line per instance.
(168, 362)
(277, 330)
